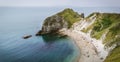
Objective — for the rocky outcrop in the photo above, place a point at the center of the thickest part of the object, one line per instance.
(53, 24)
(106, 28)
(60, 20)
(27, 36)
(101, 26)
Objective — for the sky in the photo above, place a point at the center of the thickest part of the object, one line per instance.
(51, 3)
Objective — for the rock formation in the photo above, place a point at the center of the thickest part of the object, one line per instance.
(63, 19)
(101, 26)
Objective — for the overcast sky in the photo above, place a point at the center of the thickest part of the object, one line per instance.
(51, 3)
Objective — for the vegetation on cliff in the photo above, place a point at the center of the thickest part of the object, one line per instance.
(107, 24)
(63, 19)
(113, 37)
(70, 16)
(114, 55)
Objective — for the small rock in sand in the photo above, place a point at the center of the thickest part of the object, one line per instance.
(101, 58)
(88, 56)
(87, 52)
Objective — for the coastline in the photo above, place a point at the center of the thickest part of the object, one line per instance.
(88, 51)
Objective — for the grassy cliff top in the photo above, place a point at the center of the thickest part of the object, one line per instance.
(68, 15)
(114, 56)
(109, 24)
(105, 22)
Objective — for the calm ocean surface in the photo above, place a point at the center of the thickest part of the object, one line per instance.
(17, 22)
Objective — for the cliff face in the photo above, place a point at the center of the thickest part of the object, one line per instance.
(107, 24)
(102, 26)
(53, 24)
(105, 27)
(63, 19)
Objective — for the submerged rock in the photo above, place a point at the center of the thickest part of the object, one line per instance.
(27, 36)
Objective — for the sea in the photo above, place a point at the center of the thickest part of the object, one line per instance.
(16, 22)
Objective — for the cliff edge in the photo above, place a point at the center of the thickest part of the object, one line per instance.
(63, 19)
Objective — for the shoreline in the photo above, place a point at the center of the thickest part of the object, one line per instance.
(88, 51)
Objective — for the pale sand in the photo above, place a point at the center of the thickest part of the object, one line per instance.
(88, 52)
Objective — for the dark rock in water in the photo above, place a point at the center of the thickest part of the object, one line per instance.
(41, 32)
(52, 37)
(63, 36)
(27, 36)
(63, 19)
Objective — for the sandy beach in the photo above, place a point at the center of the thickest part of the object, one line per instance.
(88, 51)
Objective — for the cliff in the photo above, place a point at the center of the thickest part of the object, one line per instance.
(105, 27)
(63, 19)
(101, 26)
(106, 24)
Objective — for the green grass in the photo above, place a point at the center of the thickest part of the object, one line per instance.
(97, 35)
(114, 56)
(97, 13)
(109, 23)
(102, 24)
(113, 36)
(70, 16)
(100, 27)
(67, 15)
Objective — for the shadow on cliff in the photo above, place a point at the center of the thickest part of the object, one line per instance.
(52, 37)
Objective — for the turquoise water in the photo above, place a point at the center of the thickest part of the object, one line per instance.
(17, 22)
